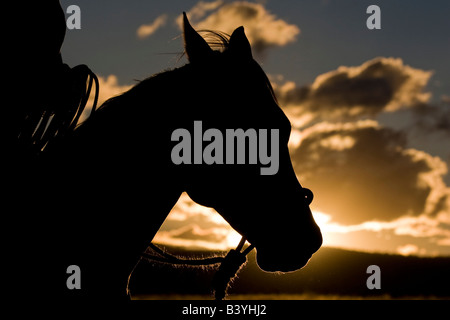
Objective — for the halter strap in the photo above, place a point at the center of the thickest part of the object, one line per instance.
(228, 269)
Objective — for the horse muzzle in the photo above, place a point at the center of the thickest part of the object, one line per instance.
(289, 255)
(280, 262)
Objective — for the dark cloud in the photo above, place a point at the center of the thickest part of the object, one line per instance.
(361, 171)
(433, 118)
(379, 85)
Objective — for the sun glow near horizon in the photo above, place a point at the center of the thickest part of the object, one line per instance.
(192, 226)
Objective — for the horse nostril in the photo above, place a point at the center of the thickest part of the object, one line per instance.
(309, 196)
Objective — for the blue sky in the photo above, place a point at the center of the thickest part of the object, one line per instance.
(333, 33)
(320, 61)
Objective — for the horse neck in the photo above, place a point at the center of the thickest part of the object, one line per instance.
(122, 147)
(162, 99)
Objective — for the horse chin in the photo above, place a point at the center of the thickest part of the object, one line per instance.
(275, 261)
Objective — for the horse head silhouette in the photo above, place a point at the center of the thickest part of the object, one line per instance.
(272, 211)
(122, 157)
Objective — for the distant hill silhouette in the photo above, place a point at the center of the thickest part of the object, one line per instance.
(330, 272)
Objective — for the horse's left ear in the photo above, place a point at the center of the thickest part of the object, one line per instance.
(239, 44)
(197, 49)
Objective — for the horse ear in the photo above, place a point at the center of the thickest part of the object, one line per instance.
(239, 44)
(195, 46)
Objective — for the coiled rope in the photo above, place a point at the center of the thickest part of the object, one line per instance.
(53, 120)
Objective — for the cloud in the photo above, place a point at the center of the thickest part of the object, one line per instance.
(192, 235)
(433, 118)
(200, 10)
(108, 87)
(378, 85)
(188, 211)
(194, 232)
(422, 226)
(365, 176)
(361, 171)
(263, 29)
(192, 225)
(436, 231)
(146, 30)
(408, 249)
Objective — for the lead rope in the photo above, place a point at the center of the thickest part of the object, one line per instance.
(229, 268)
(229, 265)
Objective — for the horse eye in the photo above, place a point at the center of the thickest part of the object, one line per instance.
(309, 196)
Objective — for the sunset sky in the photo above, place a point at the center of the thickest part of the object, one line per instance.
(370, 109)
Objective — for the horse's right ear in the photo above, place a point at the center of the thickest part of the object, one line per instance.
(195, 46)
(239, 44)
